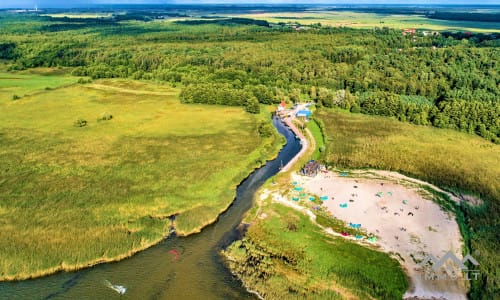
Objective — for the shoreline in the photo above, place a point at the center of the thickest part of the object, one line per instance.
(276, 143)
(416, 289)
(408, 224)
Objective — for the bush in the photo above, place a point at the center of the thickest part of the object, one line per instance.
(80, 123)
(15, 97)
(252, 105)
(265, 129)
(105, 117)
(84, 80)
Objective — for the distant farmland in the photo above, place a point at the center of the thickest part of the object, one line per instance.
(370, 20)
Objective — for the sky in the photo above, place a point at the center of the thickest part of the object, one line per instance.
(83, 3)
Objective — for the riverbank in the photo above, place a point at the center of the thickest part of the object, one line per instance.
(274, 260)
(395, 211)
(81, 196)
(401, 216)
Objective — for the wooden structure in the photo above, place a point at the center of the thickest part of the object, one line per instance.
(311, 169)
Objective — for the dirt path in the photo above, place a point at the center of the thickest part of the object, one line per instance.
(306, 143)
(104, 87)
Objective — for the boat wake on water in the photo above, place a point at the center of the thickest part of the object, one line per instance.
(120, 289)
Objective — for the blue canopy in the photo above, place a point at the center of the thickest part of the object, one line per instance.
(304, 113)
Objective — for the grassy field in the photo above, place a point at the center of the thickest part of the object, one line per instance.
(318, 137)
(75, 196)
(370, 20)
(81, 15)
(445, 157)
(453, 160)
(33, 81)
(285, 256)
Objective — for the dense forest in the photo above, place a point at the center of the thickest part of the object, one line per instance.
(448, 80)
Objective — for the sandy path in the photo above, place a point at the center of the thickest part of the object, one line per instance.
(305, 144)
(416, 229)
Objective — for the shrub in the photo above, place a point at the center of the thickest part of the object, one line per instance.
(105, 117)
(265, 129)
(80, 123)
(252, 105)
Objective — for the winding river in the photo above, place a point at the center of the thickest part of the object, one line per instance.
(177, 268)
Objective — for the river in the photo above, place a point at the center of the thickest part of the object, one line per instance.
(157, 273)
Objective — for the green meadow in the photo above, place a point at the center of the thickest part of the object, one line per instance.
(21, 84)
(370, 20)
(459, 162)
(286, 256)
(318, 138)
(74, 196)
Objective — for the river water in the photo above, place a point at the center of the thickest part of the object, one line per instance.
(155, 273)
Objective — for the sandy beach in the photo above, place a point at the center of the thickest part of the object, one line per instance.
(402, 219)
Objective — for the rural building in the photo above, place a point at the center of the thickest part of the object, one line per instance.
(282, 110)
(410, 31)
(430, 33)
(311, 168)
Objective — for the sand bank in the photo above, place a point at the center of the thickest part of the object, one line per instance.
(405, 221)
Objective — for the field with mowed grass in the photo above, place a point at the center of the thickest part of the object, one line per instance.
(91, 172)
(462, 163)
(369, 20)
(14, 86)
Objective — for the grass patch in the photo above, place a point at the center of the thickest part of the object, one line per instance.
(75, 196)
(318, 137)
(285, 256)
(453, 160)
(370, 20)
(22, 84)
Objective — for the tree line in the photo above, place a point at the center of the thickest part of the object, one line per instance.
(379, 71)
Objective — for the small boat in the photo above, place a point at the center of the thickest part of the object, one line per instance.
(120, 289)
